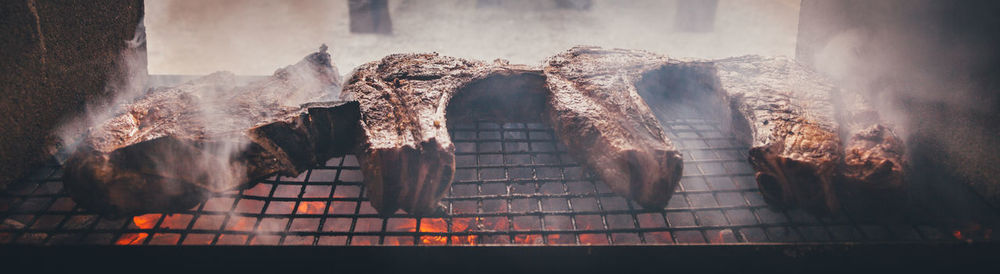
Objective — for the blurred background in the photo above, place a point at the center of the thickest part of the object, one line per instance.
(255, 37)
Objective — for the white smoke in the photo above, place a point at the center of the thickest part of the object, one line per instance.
(921, 63)
(126, 82)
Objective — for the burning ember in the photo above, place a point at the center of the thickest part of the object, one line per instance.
(592, 238)
(972, 232)
(310, 208)
(147, 221)
(437, 225)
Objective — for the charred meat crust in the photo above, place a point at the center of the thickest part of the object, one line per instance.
(173, 147)
(402, 100)
(408, 100)
(873, 172)
(795, 148)
(405, 152)
(161, 154)
(874, 158)
(596, 107)
(793, 122)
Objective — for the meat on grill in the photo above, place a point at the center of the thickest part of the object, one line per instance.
(409, 100)
(171, 148)
(406, 155)
(788, 115)
(873, 176)
(598, 114)
(787, 112)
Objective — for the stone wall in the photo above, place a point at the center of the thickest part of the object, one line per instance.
(57, 57)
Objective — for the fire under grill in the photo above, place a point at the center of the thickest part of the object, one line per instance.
(514, 184)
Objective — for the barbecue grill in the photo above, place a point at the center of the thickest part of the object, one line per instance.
(514, 184)
(519, 202)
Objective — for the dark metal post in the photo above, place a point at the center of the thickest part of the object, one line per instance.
(370, 16)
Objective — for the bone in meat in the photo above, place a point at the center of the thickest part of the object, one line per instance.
(173, 147)
(406, 155)
(598, 114)
(794, 121)
(787, 112)
(872, 174)
(409, 100)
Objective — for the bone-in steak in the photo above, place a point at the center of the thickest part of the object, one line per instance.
(170, 148)
(787, 112)
(597, 112)
(406, 155)
(793, 119)
(408, 101)
(874, 162)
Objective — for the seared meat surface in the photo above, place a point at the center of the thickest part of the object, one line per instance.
(598, 114)
(811, 144)
(874, 161)
(788, 114)
(795, 123)
(408, 101)
(172, 147)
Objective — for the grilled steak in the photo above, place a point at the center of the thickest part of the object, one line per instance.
(790, 117)
(408, 101)
(597, 113)
(872, 172)
(787, 112)
(172, 147)
(772, 105)
(406, 155)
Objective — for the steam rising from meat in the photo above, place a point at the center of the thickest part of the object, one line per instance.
(165, 147)
(940, 107)
(931, 69)
(125, 83)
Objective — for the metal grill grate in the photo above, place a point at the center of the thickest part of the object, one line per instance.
(514, 184)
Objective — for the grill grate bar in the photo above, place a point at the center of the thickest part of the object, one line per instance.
(514, 184)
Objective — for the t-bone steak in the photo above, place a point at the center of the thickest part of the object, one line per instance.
(597, 112)
(408, 101)
(795, 122)
(173, 147)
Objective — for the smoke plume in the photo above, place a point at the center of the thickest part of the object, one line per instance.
(930, 67)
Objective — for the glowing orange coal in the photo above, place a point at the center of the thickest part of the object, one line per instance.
(142, 222)
(433, 225)
(310, 208)
(972, 232)
(241, 223)
(591, 238)
(719, 237)
(437, 225)
(528, 239)
(461, 225)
